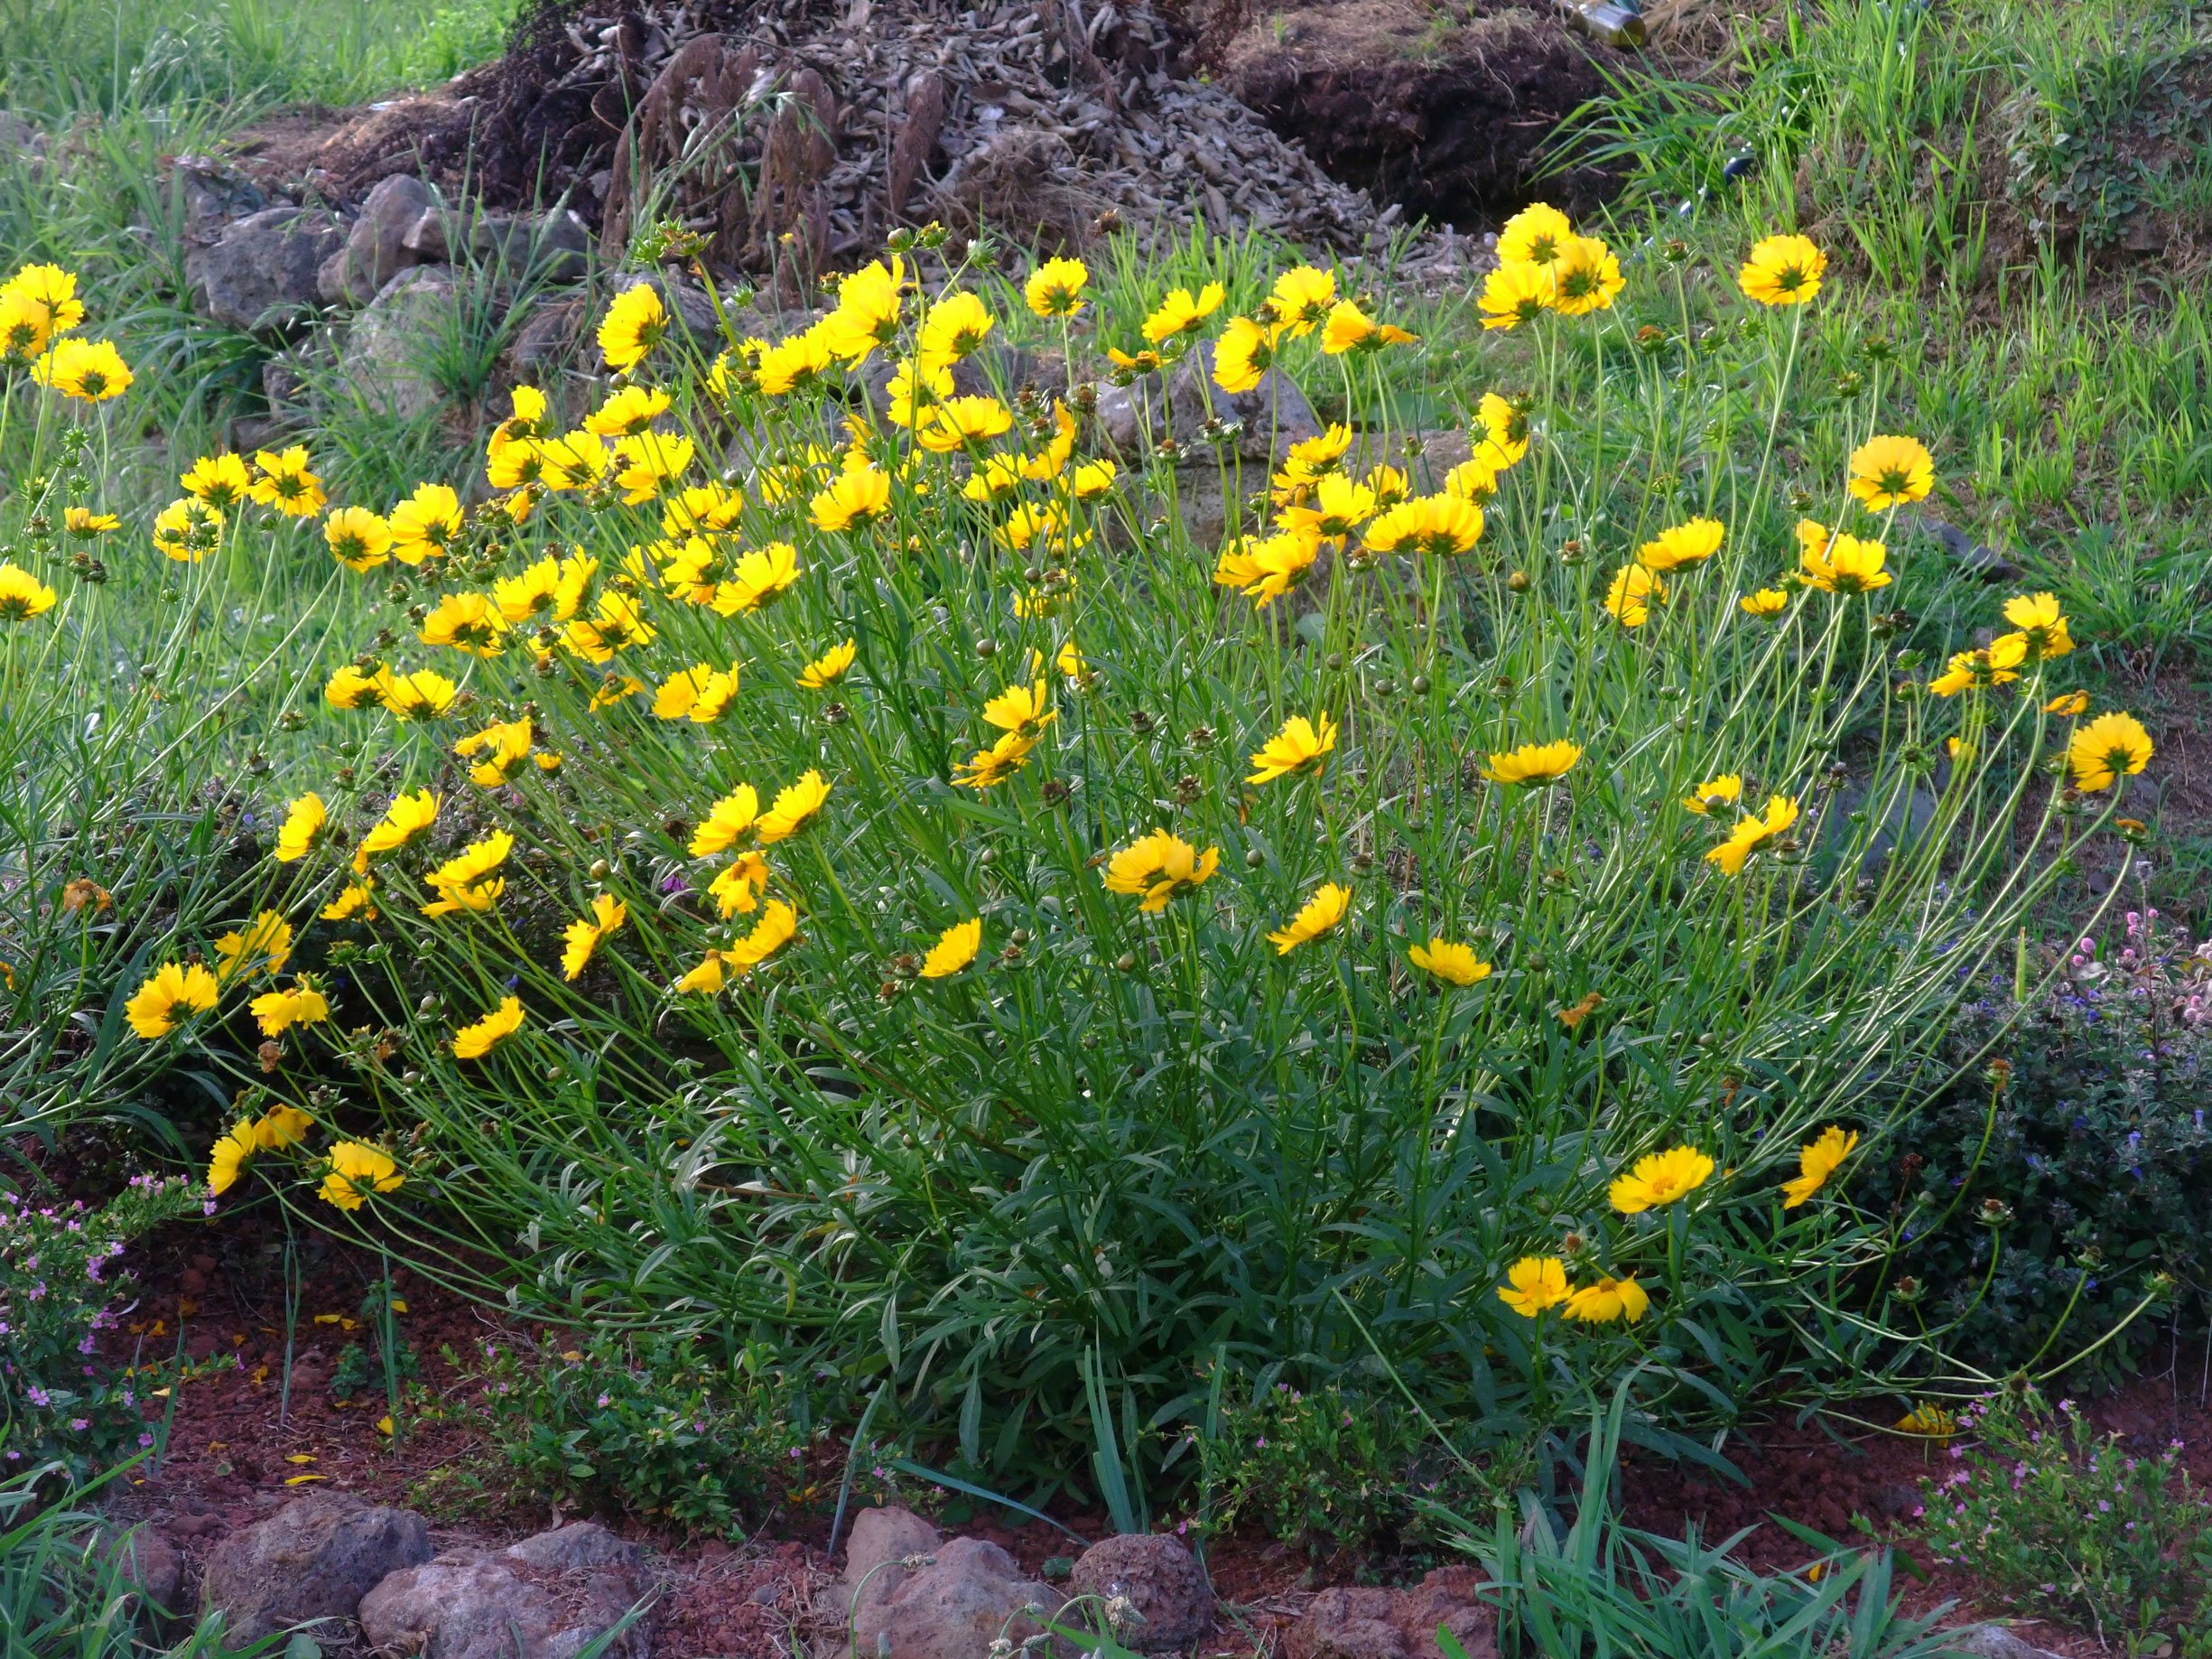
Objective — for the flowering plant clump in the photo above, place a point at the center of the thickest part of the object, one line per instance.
(60, 1287)
(812, 843)
(2073, 1524)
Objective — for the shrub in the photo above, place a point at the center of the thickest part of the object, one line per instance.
(2048, 1510)
(650, 1428)
(2095, 1142)
(59, 1290)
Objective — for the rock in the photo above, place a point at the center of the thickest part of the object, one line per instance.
(881, 1539)
(315, 1558)
(551, 336)
(556, 247)
(1168, 1592)
(149, 1564)
(687, 304)
(1991, 1641)
(384, 358)
(495, 1605)
(1396, 1624)
(260, 273)
(375, 250)
(215, 194)
(970, 1595)
(1273, 415)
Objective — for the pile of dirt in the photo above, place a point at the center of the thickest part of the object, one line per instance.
(1447, 110)
(800, 131)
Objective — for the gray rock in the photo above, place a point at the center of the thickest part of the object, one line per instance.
(1167, 1593)
(375, 250)
(1272, 417)
(1991, 1641)
(955, 1608)
(215, 194)
(150, 1565)
(881, 1539)
(386, 357)
(260, 273)
(482, 1605)
(551, 337)
(315, 1558)
(1396, 1624)
(556, 247)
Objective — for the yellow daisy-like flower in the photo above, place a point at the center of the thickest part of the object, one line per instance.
(1155, 868)
(226, 1158)
(286, 483)
(1322, 913)
(1633, 593)
(87, 525)
(469, 622)
(301, 830)
(264, 946)
(956, 946)
(53, 291)
(2110, 747)
(88, 370)
(2069, 705)
(633, 326)
(701, 695)
(1244, 354)
(1182, 313)
(1505, 429)
(471, 878)
(277, 1012)
(1752, 833)
(425, 524)
(1515, 293)
(358, 1172)
(358, 539)
(1994, 664)
(1764, 603)
(737, 891)
(581, 937)
(1025, 710)
(1440, 526)
(830, 667)
(955, 327)
(1533, 1285)
(23, 329)
(1299, 746)
(795, 807)
(1845, 565)
(961, 422)
(1930, 1420)
(732, 821)
(1302, 299)
(423, 695)
(989, 768)
(474, 1041)
(858, 496)
(778, 926)
(356, 901)
(1537, 235)
(1054, 289)
(1350, 329)
(188, 531)
(222, 482)
(1585, 277)
(1683, 544)
(407, 820)
(173, 994)
(2041, 623)
(503, 746)
(1889, 470)
(23, 595)
(1268, 569)
(1534, 764)
(1658, 1180)
(1608, 1300)
(351, 688)
(1335, 506)
(280, 1127)
(1725, 790)
(1818, 1160)
(630, 412)
(1453, 963)
(1784, 270)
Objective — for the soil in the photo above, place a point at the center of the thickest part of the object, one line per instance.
(239, 1449)
(1449, 110)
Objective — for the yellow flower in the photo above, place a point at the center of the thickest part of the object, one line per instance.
(546, 590)
(89, 370)
(1157, 867)
(1302, 299)
(956, 946)
(359, 1171)
(53, 291)
(700, 693)
(355, 900)
(287, 484)
(1181, 312)
(1537, 235)
(915, 390)
(23, 595)
(1534, 1284)
(503, 744)
(1336, 507)
(227, 1158)
(617, 623)
(358, 539)
(1683, 544)
(1634, 591)
(1584, 277)
(1350, 329)
(1266, 570)
(426, 522)
(1093, 480)
(1322, 913)
(1931, 1421)
(1817, 1161)
(173, 994)
(1505, 430)
(87, 524)
(737, 889)
(2105, 749)
(989, 768)
(1843, 565)
(1534, 763)
(1888, 470)
(24, 330)
(280, 1127)
(653, 459)
(1753, 832)
(1659, 1179)
(1298, 747)
(424, 694)
(800, 362)
(1441, 526)
(2070, 704)
(1784, 270)
(469, 622)
(957, 423)
(473, 1043)
(1765, 602)
(264, 946)
(857, 496)
(866, 314)
(1721, 791)
(1054, 289)
(699, 508)
(1994, 664)
(1244, 354)
(469, 880)
(301, 832)
(1311, 460)
(1608, 1300)
(582, 936)
(628, 413)
(632, 327)
(1515, 293)
(778, 926)
(188, 531)
(2041, 623)
(830, 667)
(1024, 710)
(406, 821)
(955, 326)
(222, 482)
(795, 805)
(350, 688)
(1444, 959)
(278, 1012)
(730, 822)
